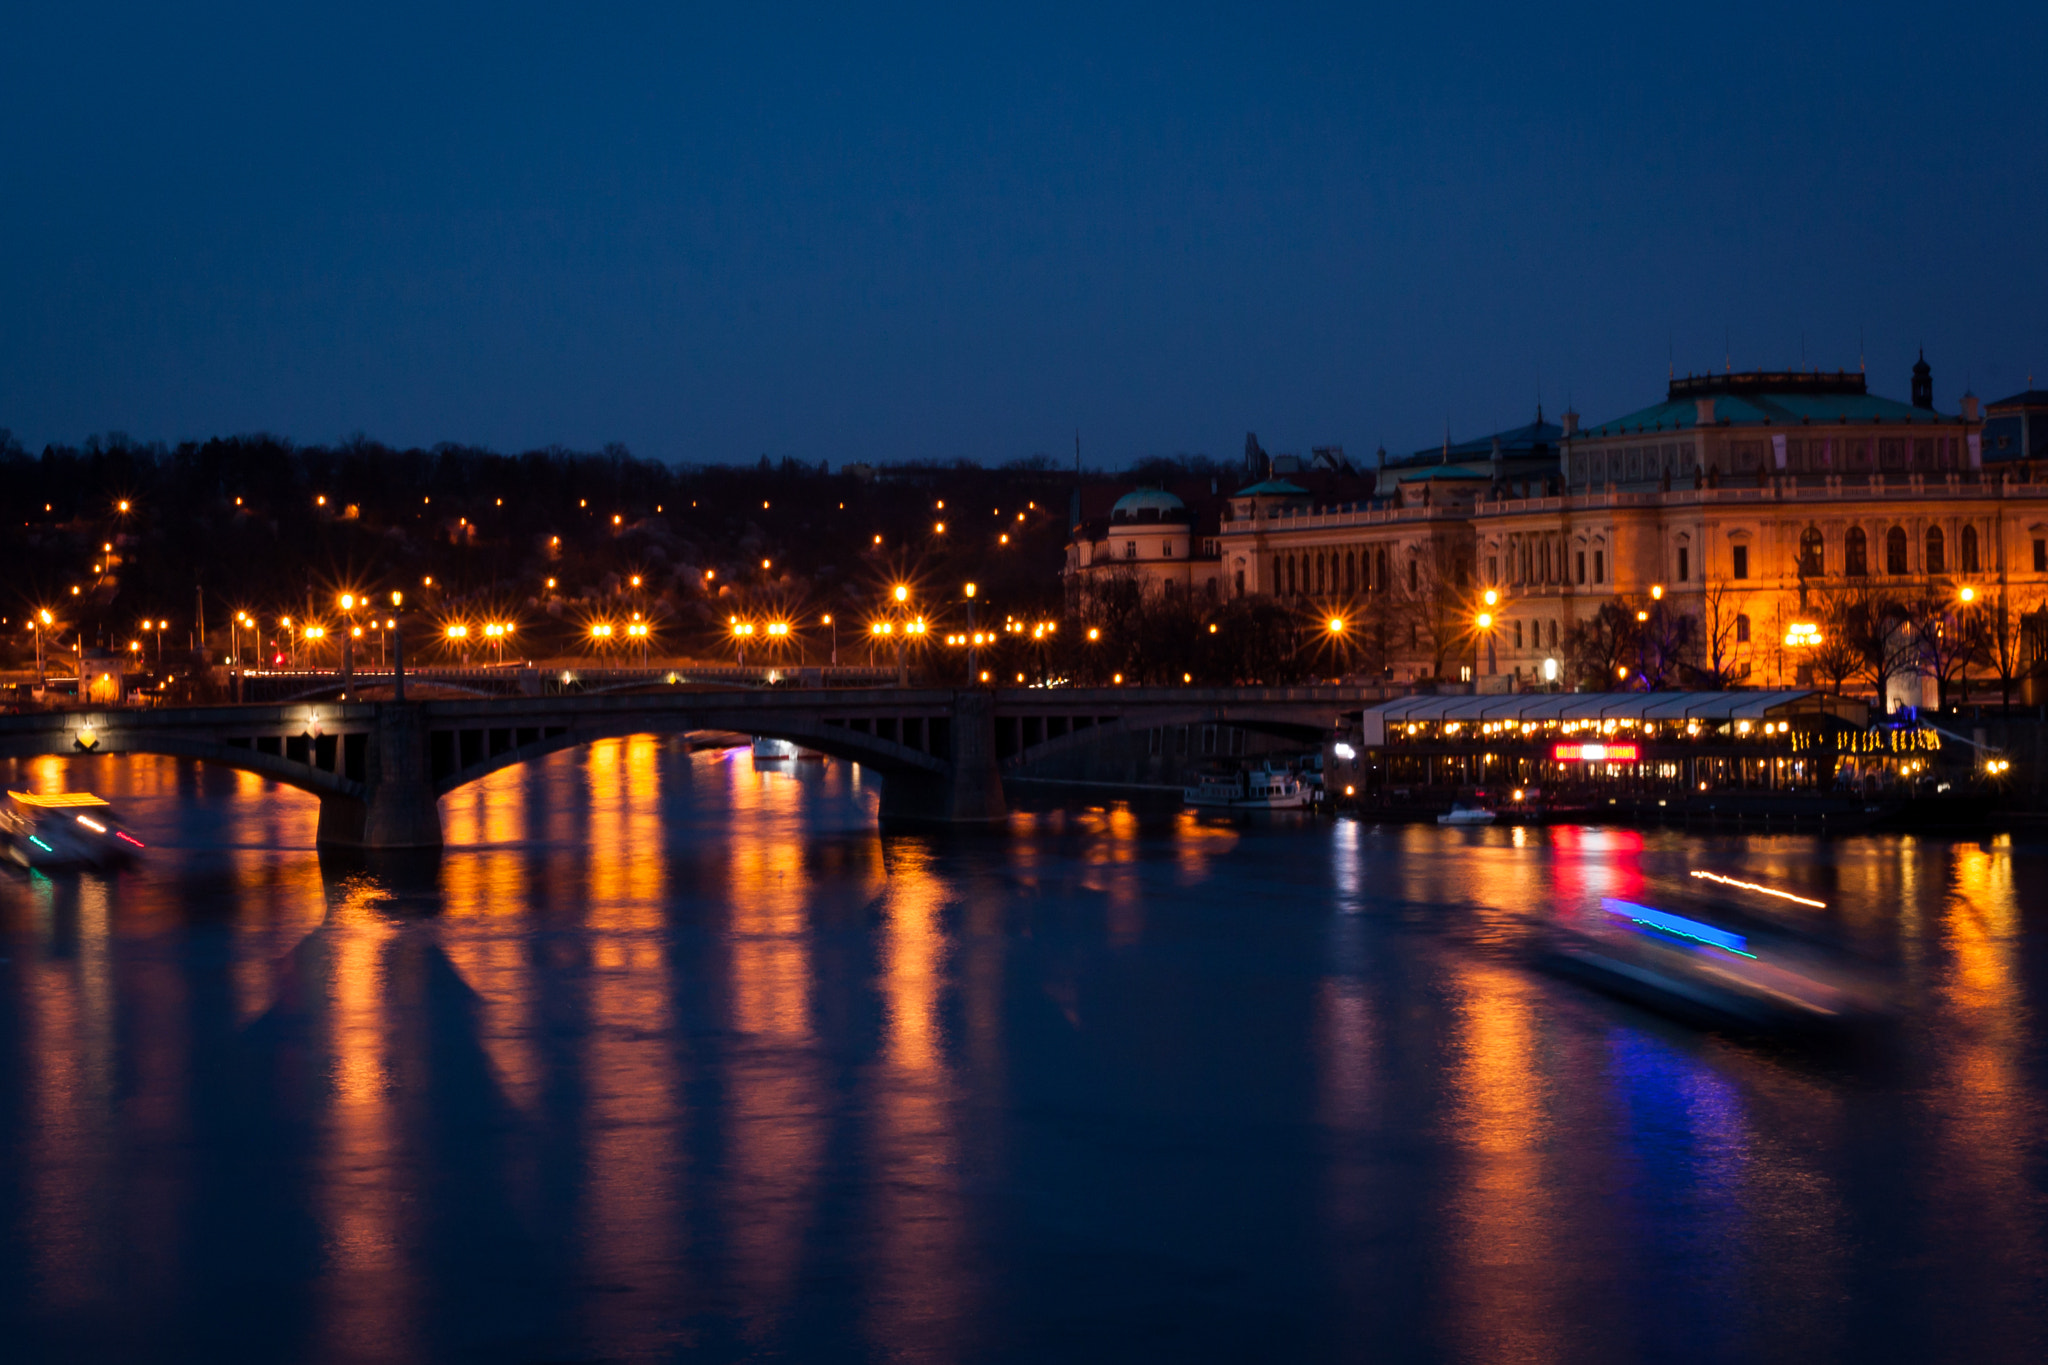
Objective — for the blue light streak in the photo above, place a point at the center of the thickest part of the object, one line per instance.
(40, 844)
(1677, 925)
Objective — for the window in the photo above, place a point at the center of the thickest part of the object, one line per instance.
(1518, 635)
(1936, 547)
(2041, 556)
(1742, 630)
(1582, 566)
(1350, 572)
(1970, 564)
(1812, 554)
(1895, 550)
(1855, 553)
(1166, 549)
(1739, 562)
(1380, 570)
(1684, 564)
(1553, 635)
(1493, 568)
(1411, 575)
(1238, 582)
(1599, 566)
(1130, 549)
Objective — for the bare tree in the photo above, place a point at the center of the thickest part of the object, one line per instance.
(1880, 631)
(1601, 650)
(1436, 607)
(1835, 657)
(2004, 642)
(1720, 631)
(1947, 635)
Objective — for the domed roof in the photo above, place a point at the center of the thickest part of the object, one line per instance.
(1148, 504)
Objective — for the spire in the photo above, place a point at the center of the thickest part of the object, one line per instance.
(1923, 383)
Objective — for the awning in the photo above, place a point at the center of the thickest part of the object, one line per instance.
(1712, 708)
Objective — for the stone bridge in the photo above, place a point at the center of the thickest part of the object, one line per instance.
(379, 768)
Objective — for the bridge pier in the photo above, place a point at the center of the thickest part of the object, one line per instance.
(400, 809)
(972, 791)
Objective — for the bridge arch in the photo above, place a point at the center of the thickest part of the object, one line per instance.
(278, 768)
(886, 756)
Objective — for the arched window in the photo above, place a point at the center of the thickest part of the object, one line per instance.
(1380, 571)
(1812, 555)
(1970, 549)
(1936, 558)
(1319, 575)
(1895, 550)
(1350, 572)
(1742, 630)
(1290, 575)
(1413, 573)
(1855, 553)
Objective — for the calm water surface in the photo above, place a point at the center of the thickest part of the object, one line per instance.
(669, 1057)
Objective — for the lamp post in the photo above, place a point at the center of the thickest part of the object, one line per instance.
(901, 593)
(348, 643)
(974, 638)
(397, 649)
(835, 638)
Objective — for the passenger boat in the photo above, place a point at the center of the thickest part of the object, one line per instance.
(1719, 964)
(68, 829)
(1462, 814)
(1265, 788)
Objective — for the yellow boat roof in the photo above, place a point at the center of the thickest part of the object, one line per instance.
(58, 800)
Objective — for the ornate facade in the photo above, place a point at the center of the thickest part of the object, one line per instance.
(1737, 500)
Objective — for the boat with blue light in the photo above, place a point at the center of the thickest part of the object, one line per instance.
(1704, 956)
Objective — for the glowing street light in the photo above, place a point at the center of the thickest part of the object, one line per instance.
(1968, 594)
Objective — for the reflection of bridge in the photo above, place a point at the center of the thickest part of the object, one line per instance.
(379, 767)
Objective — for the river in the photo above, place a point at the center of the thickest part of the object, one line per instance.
(666, 1056)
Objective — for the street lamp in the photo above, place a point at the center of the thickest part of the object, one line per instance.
(835, 638)
(1483, 628)
(974, 651)
(347, 602)
(742, 631)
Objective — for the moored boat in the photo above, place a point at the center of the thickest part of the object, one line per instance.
(1263, 788)
(1462, 814)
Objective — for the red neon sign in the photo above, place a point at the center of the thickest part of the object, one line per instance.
(1594, 753)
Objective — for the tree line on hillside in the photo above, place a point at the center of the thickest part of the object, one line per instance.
(113, 532)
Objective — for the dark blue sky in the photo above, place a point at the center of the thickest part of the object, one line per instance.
(872, 233)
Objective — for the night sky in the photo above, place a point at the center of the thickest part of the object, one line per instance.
(872, 233)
